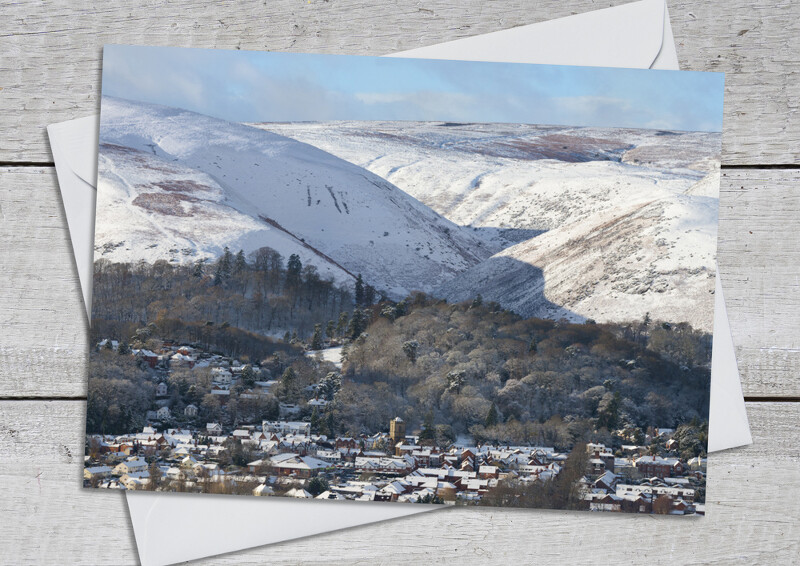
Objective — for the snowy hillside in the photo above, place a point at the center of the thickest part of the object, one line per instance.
(647, 257)
(550, 221)
(587, 222)
(180, 185)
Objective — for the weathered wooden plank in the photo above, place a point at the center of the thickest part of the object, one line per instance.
(759, 262)
(43, 326)
(50, 52)
(43, 349)
(47, 517)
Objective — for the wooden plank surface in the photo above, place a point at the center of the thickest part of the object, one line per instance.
(44, 347)
(49, 71)
(751, 518)
(50, 51)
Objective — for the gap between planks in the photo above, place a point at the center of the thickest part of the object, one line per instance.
(782, 166)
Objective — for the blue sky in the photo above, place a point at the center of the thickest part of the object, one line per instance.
(253, 86)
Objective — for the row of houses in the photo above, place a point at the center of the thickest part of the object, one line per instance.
(381, 467)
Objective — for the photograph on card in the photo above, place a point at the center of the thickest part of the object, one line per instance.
(414, 281)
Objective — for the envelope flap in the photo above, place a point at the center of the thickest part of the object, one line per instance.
(629, 35)
(77, 140)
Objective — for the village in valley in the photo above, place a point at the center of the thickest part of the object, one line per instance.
(292, 455)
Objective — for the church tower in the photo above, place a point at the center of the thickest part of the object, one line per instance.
(397, 431)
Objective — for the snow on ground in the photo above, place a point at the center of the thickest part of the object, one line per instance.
(553, 221)
(333, 355)
(516, 176)
(588, 222)
(188, 181)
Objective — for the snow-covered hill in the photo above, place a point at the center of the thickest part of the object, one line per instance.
(587, 222)
(550, 221)
(180, 185)
(645, 257)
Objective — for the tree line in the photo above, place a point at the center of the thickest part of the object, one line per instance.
(261, 292)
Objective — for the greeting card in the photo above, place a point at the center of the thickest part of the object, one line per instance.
(403, 280)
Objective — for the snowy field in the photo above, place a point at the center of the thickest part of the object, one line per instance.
(549, 221)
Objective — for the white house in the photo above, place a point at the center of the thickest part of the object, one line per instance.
(190, 411)
(163, 413)
(96, 472)
(161, 389)
(263, 489)
(174, 473)
(179, 359)
(283, 427)
(298, 493)
(221, 375)
(130, 467)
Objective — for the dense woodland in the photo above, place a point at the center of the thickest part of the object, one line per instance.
(470, 368)
(263, 293)
(500, 378)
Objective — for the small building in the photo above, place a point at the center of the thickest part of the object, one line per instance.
(130, 467)
(151, 358)
(190, 411)
(486, 472)
(96, 472)
(655, 466)
(163, 413)
(221, 376)
(299, 466)
(161, 389)
(182, 360)
(263, 490)
(299, 493)
(298, 428)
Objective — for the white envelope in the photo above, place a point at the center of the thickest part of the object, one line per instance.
(636, 35)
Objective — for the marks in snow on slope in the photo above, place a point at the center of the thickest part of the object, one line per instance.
(476, 182)
(333, 196)
(306, 245)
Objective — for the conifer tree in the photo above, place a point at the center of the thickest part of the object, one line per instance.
(198, 267)
(248, 376)
(316, 339)
(341, 327)
(240, 264)
(428, 429)
(315, 421)
(359, 296)
(358, 323)
(293, 269)
(288, 387)
(226, 264)
(491, 417)
(369, 295)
